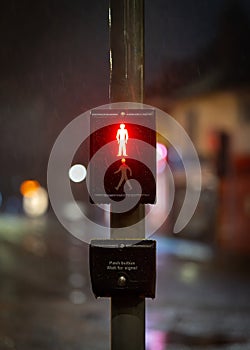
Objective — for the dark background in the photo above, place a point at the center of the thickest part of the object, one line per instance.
(54, 65)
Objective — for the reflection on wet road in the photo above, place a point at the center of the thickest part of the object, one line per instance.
(46, 300)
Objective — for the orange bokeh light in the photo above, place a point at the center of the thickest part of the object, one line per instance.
(28, 187)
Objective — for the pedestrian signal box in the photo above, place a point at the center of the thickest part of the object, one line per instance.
(122, 155)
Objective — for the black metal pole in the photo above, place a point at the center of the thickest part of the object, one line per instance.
(126, 20)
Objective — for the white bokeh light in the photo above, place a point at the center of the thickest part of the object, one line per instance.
(161, 151)
(36, 204)
(77, 173)
(161, 154)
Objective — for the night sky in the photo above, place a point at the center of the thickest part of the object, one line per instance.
(54, 65)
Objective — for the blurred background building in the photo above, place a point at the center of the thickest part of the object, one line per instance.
(209, 95)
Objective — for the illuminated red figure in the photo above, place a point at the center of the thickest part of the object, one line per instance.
(124, 168)
(122, 139)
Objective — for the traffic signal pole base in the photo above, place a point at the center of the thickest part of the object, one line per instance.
(127, 323)
(128, 313)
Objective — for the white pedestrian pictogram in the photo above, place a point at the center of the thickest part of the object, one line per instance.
(122, 139)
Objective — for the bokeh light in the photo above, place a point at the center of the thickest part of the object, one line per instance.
(161, 151)
(28, 187)
(77, 173)
(161, 155)
(36, 202)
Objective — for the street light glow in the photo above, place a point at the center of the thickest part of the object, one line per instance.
(77, 173)
(36, 202)
(28, 187)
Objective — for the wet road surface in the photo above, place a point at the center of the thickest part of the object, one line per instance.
(203, 297)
